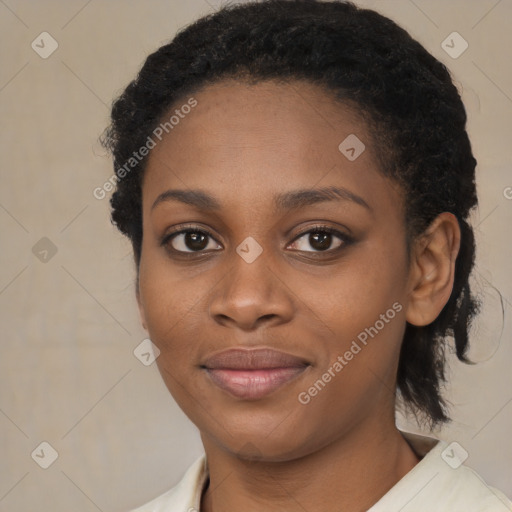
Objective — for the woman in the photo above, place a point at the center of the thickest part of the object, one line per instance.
(296, 179)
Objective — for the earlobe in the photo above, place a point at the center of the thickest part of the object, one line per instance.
(432, 270)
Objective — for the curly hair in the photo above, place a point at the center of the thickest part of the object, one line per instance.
(414, 112)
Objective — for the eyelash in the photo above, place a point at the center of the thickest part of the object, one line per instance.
(347, 240)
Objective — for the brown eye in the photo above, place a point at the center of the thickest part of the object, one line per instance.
(190, 241)
(320, 239)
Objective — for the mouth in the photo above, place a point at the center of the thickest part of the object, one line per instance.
(252, 374)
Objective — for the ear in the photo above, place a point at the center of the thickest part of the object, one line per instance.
(139, 303)
(432, 269)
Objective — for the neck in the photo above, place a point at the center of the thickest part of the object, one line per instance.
(350, 474)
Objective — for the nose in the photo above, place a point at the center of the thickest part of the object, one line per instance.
(251, 295)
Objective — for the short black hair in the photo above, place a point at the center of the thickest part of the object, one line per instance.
(412, 107)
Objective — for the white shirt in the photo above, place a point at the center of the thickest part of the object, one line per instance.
(438, 483)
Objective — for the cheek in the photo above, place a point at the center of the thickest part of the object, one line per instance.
(363, 304)
(359, 370)
(363, 289)
(170, 307)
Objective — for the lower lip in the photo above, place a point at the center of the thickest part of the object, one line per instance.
(253, 384)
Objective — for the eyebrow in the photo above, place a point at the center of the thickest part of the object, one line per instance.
(285, 201)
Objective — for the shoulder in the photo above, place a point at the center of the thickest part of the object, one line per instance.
(441, 482)
(185, 496)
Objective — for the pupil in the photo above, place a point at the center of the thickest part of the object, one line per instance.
(320, 241)
(195, 241)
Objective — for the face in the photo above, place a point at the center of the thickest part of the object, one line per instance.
(248, 262)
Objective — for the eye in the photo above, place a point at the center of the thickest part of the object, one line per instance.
(195, 240)
(321, 239)
(190, 241)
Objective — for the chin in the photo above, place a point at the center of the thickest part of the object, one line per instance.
(248, 441)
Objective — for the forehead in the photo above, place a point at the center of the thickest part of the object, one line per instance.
(256, 139)
(236, 113)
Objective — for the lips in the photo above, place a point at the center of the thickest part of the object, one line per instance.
(252, 374)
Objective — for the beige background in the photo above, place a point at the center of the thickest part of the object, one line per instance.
(69, 325)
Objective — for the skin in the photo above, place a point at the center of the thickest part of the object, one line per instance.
(244, 144)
